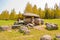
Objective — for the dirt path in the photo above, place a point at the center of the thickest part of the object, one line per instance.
(42, 27)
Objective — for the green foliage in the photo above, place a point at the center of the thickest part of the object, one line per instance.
(20, 16)
(12, 15)
(47, 13)
(28, 8)
(41, 13)
(57, 11)
(35, 9)
(4, 15)
(52, 14)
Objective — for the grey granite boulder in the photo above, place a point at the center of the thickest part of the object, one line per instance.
(46, 37)
(39, 21)
(51, 26)
(4, 28)
(57, 37)
(30, 25)
(24, 30)
(15, 26)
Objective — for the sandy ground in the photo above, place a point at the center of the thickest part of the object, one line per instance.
(40, 27)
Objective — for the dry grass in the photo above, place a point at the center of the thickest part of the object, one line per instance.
(34, 35)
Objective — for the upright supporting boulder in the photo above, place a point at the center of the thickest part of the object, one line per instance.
(46, 37)
(39, 21)
(42, 21)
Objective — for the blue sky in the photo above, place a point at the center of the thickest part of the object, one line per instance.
(20, 5)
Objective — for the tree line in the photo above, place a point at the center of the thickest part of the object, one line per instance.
(47, 13)
(5, 15)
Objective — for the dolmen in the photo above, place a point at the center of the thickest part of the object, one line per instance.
(32, 18)
(51, 26)
(24, 30)
(46, 37)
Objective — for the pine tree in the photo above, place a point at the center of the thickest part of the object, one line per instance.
(47, 11)
(35, 9)
(0, 16)
(52, 14)
(5, 15)
(20, 16)
(57, 11)
(28, 8)
(13, 15)
(41, 13)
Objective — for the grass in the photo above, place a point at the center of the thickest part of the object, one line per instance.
(34, 35)
(5, 22)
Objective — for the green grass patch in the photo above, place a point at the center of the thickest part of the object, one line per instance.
(6, 22)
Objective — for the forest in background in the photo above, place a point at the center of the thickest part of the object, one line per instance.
(47, 13)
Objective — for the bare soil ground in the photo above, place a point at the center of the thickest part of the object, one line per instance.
(40, 27)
